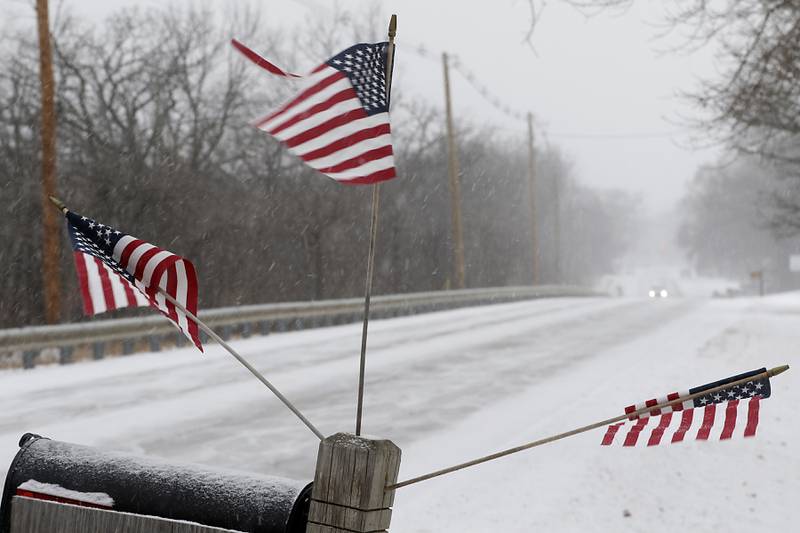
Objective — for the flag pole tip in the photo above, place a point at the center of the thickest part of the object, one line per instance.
(778, 370)
(58, 203)
(393, 25)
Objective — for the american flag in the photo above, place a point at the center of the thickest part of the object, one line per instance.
(338, 122)
(116, 270)
(718, 415)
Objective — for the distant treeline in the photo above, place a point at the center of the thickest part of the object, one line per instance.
(154, 137)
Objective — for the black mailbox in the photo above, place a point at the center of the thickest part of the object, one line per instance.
(144, 486)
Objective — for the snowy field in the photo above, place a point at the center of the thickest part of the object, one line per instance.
(454, 385)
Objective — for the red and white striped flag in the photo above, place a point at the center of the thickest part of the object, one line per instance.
(116, 270)
(338, 123)
(721, 414)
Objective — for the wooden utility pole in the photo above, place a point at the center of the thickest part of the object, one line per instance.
(51, 275)
(532, 200)
(455, 184)
(557, 228)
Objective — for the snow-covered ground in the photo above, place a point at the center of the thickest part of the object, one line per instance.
(454, 385)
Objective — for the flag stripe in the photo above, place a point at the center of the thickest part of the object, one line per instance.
(326, 81)
(260, 61)
(347, 94)
(95, 286)
(330, 152)
(633, 434)
(708, 421)
(365, 169)
(327, 126)
(612, 430)
(321, 122)
(730, 420)
(105, 283)
(658, 432)
(686, 424)
(375, 177)
(752, 417)
(355, 162)
(83, 281)
(335, 87)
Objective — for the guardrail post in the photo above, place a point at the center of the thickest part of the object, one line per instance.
(155, 343)
(29, 359)
(65, 355)
(263, 327)
(98, 350)
(247, 330)
(348, 494)
(127, 347)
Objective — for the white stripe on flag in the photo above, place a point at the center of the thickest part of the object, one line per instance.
(180, 295)
(308, 103)
(363, 170)
(152, 264)
(318, 118)
(137, 253)
(95, 284)
(352, 151)
(342, 131)
(306, 84)
(120, 247)
(117, 288)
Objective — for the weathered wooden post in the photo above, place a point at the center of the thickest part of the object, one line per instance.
(349, 485)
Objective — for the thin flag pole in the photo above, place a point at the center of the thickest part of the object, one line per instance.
(376, 200)
(767, 374)
(60, 205)
(244, 362)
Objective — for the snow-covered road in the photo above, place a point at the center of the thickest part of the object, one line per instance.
(452, 385)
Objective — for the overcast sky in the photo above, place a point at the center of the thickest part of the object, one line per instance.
(593, 83)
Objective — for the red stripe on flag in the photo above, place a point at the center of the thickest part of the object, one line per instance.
(126, 253)
(651, 403)
(58, 499)
(158, 271)
(633, 433)
(130, 296)
(83, 281)
(686, 423)
(311, 91)
(630, 409)
(675, 406)
(260, 61)
(375, 177)
(611, 432)
(708, 422)
(366, 157)
(325, 127)
(342, 96)
(108, 292)
(752, 416)
(350, 140)
(730, 420)
(142, 264)
(655, 437)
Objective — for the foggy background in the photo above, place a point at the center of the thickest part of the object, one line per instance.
(640, 180)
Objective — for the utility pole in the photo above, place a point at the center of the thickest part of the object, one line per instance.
(51, 276)
(532, 200)
(455, 185)
(557, 227)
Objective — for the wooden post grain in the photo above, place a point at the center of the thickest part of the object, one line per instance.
(349, 493)
(455, 183)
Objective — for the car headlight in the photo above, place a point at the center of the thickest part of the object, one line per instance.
(652, 294)
(664, 293)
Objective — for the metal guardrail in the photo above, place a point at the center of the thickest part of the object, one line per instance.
(65, 343)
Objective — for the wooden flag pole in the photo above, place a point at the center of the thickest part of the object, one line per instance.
(51, 272)
(767, 374)
(454, 182)
(60, 205)
(376, 200)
